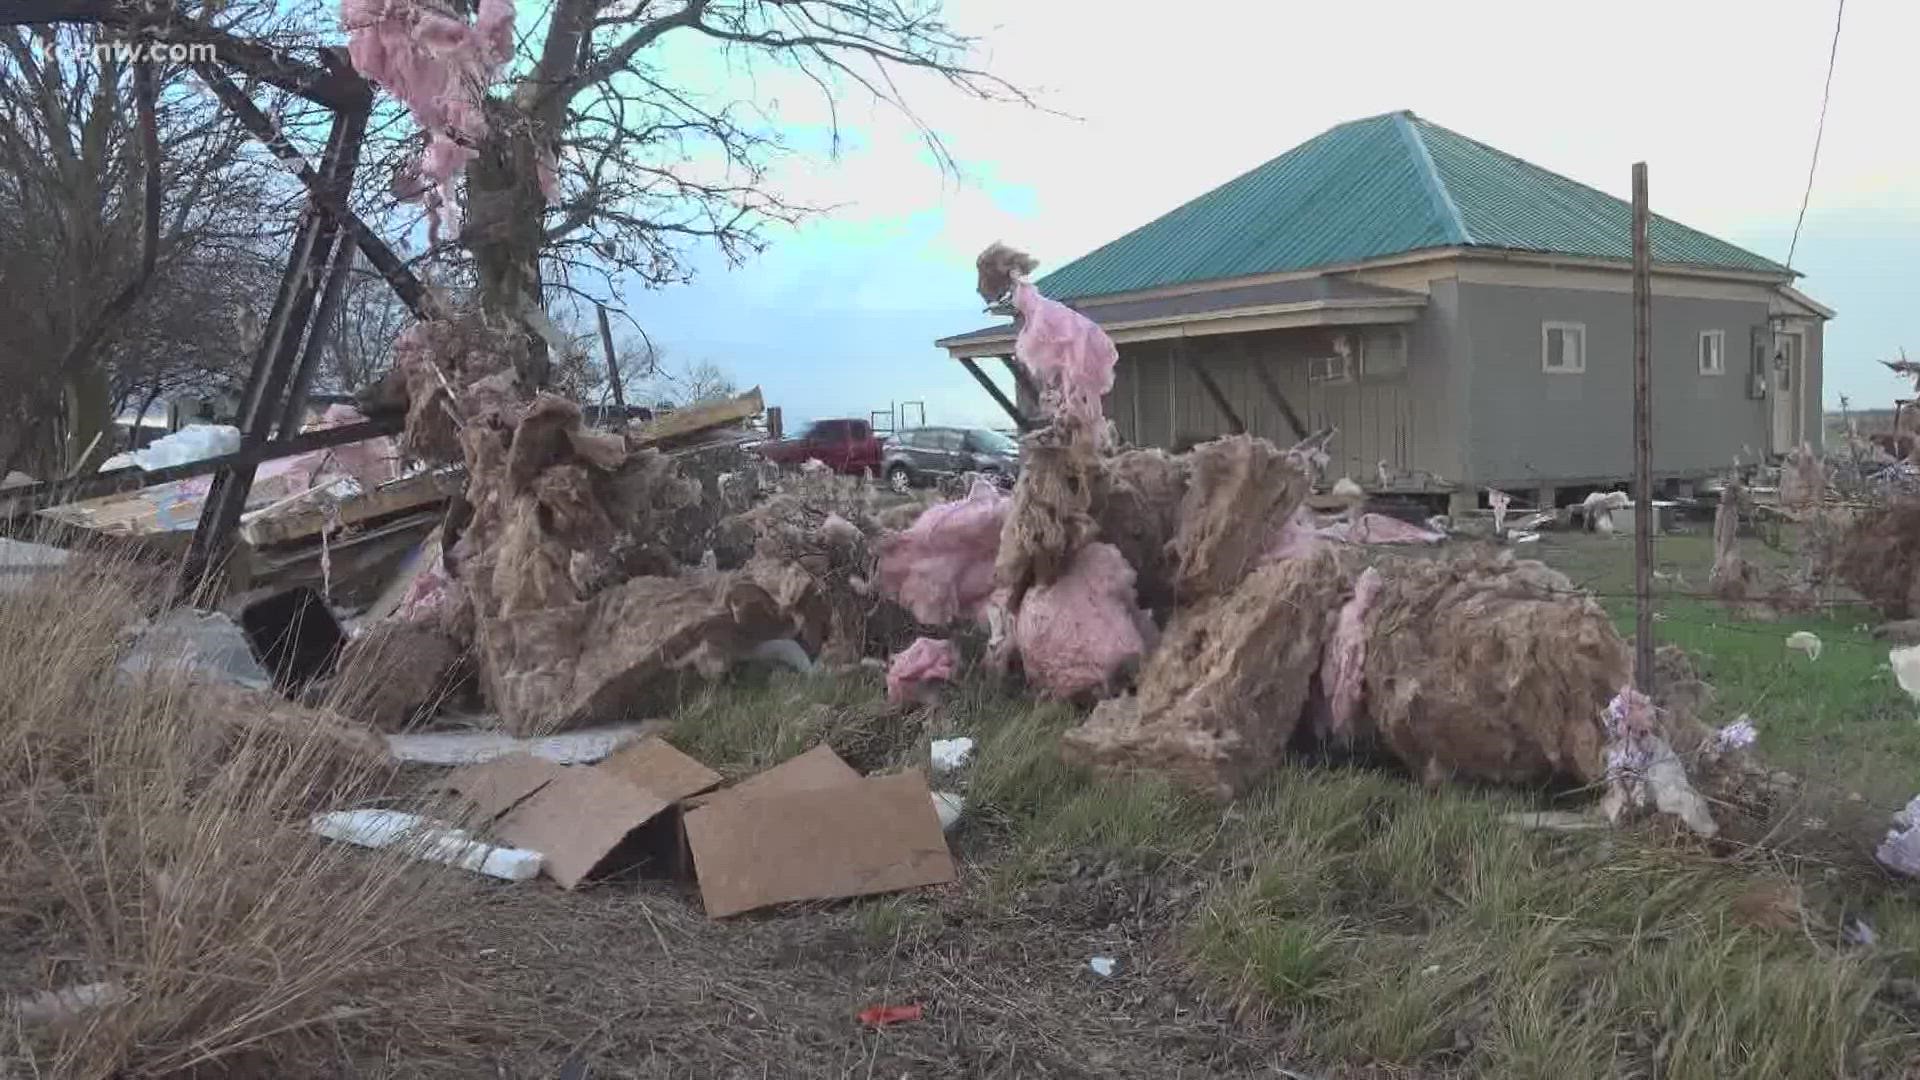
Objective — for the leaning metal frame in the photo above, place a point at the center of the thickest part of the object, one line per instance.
(310, 290)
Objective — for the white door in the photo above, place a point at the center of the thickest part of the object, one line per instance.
(1786, 377)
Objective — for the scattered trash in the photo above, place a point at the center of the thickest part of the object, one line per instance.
(1736, 736)
(584, 746)
(785, 652)
(1643, 770)
(1103, 966)
(1803, 641)
(427, 840)
(61, 1006)
(1379, 529)
(1598, 508)
(1905, 663)
(815, 831)
(1554, 821)
(1899, 850)
(880, 1016)
(950, 754)
(194, 442)
(949, 807)
(1859, 931)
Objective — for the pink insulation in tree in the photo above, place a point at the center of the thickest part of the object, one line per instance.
(1067, 352)
(926, 661)
(438, 65)
(941, 567)
(1077, 633)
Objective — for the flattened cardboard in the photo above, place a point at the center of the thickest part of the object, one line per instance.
(494, 787)
(656, 766)
(818, 768)
(873, 835)
(578, 820)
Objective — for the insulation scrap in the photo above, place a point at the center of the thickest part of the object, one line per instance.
(1136, 508)
(1075, 635)
(1642, 768)
(1803, 479)
(926, 661)
(1050, 516)
(1905, 663)
(1378, 529)
(1238, 490)
(1738, 735)
(1805, 642)
(1220, 697)
(1899, 850)
(396, 671)
(1879, 558)
(1298, 535)
(998, 267)
(1069, 355)
(1598, 509)
(941, 568)
(457, 372)
(1733, 580)
(1499, 501)
(1490, 668)
(622, 652)
(1341, 673)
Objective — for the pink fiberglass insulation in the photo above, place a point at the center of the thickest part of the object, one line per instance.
(941, 567)
(438, 65)
(1070, 355)
(1297, 537)
(369, 464)
(1342, 671)
(1379, 529)
(927, 660)
(1076, 633)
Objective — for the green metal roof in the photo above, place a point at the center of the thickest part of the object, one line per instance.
(1386, 185)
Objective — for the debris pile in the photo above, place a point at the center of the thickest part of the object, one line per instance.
(1879, 558)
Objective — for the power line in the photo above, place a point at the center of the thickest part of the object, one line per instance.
(1819, 132)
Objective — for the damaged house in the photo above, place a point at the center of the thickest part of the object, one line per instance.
(1463, 317)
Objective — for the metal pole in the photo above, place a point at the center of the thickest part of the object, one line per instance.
(1642, 439)
(613, 365)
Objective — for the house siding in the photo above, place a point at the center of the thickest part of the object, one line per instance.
(1527, 426)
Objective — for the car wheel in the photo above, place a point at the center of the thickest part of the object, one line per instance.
(899, 479)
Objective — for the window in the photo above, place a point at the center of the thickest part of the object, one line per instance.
(945, 439)
(1713, 352)
(1326, 369)
(1383, 352)
(991, 442)
(1563, 348)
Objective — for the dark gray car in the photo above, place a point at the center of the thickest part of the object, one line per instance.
(921, 455)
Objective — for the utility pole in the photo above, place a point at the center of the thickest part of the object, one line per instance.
(613, 366)
(1642, 439)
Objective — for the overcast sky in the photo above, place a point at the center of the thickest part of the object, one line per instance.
(1163, 102)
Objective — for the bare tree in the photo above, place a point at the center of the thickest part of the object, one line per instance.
(649, 164)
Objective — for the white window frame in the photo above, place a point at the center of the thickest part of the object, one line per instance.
(1339, 368)
(1546, 351)
(1719, 340)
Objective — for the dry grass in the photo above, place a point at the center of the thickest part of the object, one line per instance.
(152, 839)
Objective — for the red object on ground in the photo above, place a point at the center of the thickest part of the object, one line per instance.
(882, 1015)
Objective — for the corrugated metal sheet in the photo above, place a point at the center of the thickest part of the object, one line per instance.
(1385, 185)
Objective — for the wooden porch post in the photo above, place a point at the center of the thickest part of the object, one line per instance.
(999, 396)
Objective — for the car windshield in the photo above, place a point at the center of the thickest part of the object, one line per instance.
(993, 442)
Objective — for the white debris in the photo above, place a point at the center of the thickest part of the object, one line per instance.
(948, 806)
(202, 642)
(1900, 850)
(1523, 537)
(1499, 501)
(1672, 793)
(1736, 736)
(195, 442)
(1905, 663)
(51, 1006)
(1104, 966)
(951, 754)
(1859, 932)
(21, 562)
(472, 747)
(1643, 770)
(1804, 642)
(1598, 509)
(784, 651)
(427, 840)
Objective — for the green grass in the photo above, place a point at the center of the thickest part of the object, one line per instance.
(1398, 928)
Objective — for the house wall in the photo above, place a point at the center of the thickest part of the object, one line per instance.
(1527, 426)
(1402, 419)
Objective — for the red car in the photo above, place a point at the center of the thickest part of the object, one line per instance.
(845, 446)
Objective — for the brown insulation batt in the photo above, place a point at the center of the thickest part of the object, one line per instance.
(1492, 669)
(1733, 579)
(1137, 509)
(458, 372)
(622, 652)
(1879, 558)
(1049, 520)
(396, 670)
(1239, 490)
(1221, 696)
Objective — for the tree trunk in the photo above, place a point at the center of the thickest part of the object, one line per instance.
(89, 413)
(506, 223)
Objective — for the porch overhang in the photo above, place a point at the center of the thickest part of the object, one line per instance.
(1281, 305)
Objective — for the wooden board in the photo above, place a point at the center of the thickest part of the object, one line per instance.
(305, 520)
(696, 418)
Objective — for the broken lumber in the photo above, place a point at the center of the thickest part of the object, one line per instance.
(693, 419)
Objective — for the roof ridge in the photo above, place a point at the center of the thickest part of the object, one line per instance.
(1443, 202)
(1584, 186)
